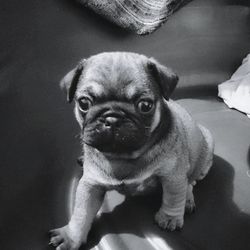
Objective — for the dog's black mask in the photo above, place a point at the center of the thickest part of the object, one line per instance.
(115, 127)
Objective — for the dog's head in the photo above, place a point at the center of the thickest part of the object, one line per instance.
(119, 99)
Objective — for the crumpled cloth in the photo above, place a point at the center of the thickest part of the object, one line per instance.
(140, 16)
(236, 91)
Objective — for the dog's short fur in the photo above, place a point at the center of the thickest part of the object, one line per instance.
(133, 137)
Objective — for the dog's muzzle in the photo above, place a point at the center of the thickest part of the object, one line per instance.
(115, 133)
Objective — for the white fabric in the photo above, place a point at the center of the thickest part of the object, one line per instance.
(236, 91)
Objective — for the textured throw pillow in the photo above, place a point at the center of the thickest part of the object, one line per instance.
(141, 16)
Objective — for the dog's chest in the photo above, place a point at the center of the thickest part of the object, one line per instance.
(136, 187)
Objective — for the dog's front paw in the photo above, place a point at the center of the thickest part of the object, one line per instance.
(62, 239)
(168, 222)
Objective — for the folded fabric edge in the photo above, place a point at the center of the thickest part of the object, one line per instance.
(229, 90)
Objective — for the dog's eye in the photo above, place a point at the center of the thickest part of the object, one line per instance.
(145, 106)
(84, 104)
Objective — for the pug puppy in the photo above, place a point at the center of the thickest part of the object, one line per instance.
(133, 136)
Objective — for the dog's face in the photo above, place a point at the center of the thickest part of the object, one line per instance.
(119, 99)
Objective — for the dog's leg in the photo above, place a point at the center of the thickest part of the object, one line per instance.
(190, 204)
(88, 201)
(170, 216)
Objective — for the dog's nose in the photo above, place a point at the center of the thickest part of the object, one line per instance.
(112, 121)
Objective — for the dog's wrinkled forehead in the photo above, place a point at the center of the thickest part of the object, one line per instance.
(122, 74)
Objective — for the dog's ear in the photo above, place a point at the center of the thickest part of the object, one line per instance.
(164, 76)
(70, 81)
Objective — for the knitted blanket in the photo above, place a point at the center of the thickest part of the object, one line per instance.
(140, 16)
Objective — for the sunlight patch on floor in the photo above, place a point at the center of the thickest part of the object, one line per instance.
(156, 242)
